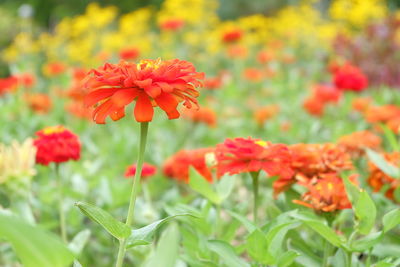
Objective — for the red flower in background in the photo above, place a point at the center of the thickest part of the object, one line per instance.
(361, 104)
(204, 114)
(349, 77)
(326, 93)
(252, 155)
(212, 83)
(264, 57)
(27, 80)
(56, 144)
(326, 193)
(150, 83)
(232, 36)
(129, 53)
(8, 84)
(314, 106)
(253, 74)
(172, 24)
(177, 166)
(148, 170)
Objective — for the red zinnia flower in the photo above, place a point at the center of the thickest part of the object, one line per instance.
(148, 170)
(27, 79)
(151, 83)
(314, 106)
(232, 36)
(172, 24)
(326, 93)
(326, 193)
(129, 53)
(349, 77)
(54, 68)
(177, 166)
(252, 155)
(8, 84)
(212, 83)
(56, 144)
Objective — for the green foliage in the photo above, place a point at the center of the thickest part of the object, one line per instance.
(34, 246)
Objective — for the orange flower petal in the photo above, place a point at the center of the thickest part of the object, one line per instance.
(95, 96)
(144, 109)
(168, 103)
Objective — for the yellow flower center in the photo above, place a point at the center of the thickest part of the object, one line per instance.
(53, 129)
(149, 64)
(261, 143)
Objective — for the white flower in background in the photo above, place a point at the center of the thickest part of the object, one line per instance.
(17, 160)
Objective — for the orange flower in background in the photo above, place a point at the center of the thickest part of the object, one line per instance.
(349, 77)
(172, 24)
(312, 160)
(232, 36)
(314, 106)
(78, 110)
(361, 104)
(148, 170)
(56, 144)
(54, 68)
(212, 83)
(27, 80)
(264, 57)
(382, 113)
(204, 114)
(355, 143)
(394, 124)
(326, 193)
(40, 103)
(129, 53)
(149, 83)
(253, 74)
(378, 179)
(8, 84)
(177, 166)
(265, 113)
(241, 155)
(237, 51)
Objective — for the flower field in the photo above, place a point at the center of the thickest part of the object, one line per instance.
(170, 137)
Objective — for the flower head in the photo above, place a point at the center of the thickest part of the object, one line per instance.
(129, 53)
(148, 170)
(150, 83)
(177, 166)
(361, 104)
(378, 179)
(356, 142)
(8, 84)
(232, 36)
(240, 155)
(326, 193)
(349, 77)
(54, 68)
(172, 24)
(204, 114)
(265, 113)
(40, 103)
(56, 144)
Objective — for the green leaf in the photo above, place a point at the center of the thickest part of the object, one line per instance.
(201, 186)
(365, 212)
(145, 235)
(320, 227)
(257, 247)
(250, 226)
(224, 186)
(287, 258)
(391, 137)
(116, 228)
(382, 164)
(166, 253)
(391, 220)
(226, 253)
(79, 241)
(365, 243)
(276, 235)
(34, 246)
(352, 191)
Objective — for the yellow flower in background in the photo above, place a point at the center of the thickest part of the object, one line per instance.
(17, 161)
(358, 13)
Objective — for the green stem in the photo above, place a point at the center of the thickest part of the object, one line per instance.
(368, 263)
(63, 225)
(254, 175)
(135, 187)
(327, 252)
